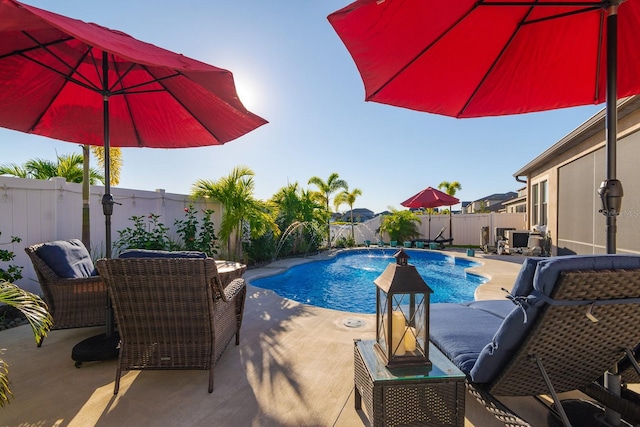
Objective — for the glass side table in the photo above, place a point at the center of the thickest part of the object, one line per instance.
(425, 396)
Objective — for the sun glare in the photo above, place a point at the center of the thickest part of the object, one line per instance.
(247, 93)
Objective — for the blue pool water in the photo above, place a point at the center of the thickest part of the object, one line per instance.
(346, 281)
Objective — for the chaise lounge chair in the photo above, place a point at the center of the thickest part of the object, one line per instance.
(173, 313)
(439, 239)
(566, 322)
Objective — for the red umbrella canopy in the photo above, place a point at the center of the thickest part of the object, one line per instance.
(430, 198)
(52, 83)
(470, 58)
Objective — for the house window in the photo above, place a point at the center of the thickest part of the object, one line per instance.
(535, 205)
(539, 203)
(543, 202)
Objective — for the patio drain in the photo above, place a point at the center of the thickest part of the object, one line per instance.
(353, 323)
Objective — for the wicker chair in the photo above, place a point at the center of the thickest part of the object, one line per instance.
(172, 313)
(73, 302)
(572, 321)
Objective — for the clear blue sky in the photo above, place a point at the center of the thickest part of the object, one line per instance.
(291, 68)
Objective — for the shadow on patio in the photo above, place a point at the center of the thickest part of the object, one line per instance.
(294, 367)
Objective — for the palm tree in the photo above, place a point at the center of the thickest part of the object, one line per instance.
(401, 225)
(450, 188)
(13, 170)
(235, 192)
(35, 310)
(350, 199)
(325, 190)
(68, 166)
(296, 205)
(115, 161)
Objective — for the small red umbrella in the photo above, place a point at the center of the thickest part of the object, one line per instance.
(431, 198)
(474, 58)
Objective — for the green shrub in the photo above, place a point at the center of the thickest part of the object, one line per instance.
(146, 233)
(204, 240)
(12, 272)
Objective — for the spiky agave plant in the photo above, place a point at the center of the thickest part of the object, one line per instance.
(36, 312)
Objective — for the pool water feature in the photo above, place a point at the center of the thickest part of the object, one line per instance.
(345, 282)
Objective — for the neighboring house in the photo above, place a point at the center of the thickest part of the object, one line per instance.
(359, 215)
(492, 203)
(518, 204)
(563, 181)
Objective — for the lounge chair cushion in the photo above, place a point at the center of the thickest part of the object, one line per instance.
(524, 281)
(450, 331)
(511, 333)
(147, 253)
(549, 269)
(69, 259)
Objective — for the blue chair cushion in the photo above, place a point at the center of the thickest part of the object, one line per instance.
(450, 329)
(147, 253)
(502, 346)
(69, 259)
(549, 269)
(523, 284)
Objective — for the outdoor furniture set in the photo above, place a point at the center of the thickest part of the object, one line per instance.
(566, 322)
(173, 310)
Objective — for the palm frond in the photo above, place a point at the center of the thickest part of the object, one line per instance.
(31, 305)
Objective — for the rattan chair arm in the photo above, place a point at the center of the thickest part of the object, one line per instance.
(233, 289)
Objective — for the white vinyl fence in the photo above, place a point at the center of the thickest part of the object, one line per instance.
(464, 228)
(40, 211)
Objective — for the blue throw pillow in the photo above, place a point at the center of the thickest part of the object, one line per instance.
(147, 253)
(68, 259)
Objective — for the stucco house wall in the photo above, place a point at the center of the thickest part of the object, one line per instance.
(574, 168)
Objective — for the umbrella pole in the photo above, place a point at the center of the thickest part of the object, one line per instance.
(104, 346)
(610, 190)
(612, 194)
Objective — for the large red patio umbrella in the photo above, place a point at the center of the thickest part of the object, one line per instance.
(474, 58)
(84, 83)
(431, 198)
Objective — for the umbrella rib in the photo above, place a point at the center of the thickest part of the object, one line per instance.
(493, 64)
(73, 69)
(126, 101)
(40, 46)
(409, 63)
(522, 23)
(562, 15)
(159, 80)
(67, 80)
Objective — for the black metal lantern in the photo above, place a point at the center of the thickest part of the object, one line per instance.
(402, 314)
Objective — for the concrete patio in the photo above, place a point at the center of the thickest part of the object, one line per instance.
(293, 367)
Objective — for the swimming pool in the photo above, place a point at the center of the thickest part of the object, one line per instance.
(345, 282)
